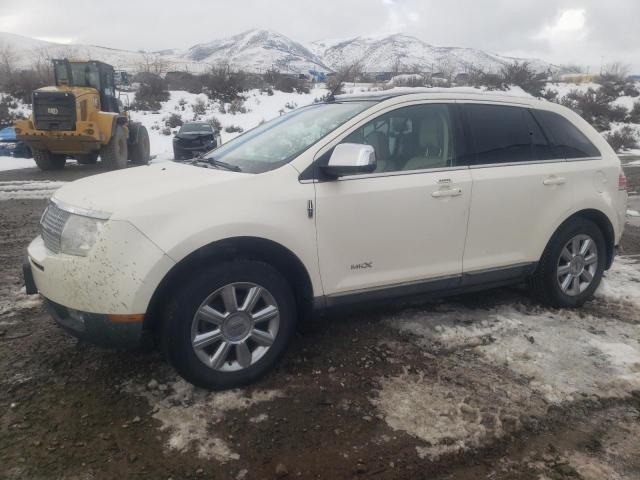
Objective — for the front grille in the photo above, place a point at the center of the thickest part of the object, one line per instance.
(51, 226)
(54, 111)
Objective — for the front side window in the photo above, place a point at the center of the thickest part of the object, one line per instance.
(282, 139)
(570, 141)
(505, 134)
(410, 138)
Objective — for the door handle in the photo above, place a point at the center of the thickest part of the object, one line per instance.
(447, 192)
(553, 180)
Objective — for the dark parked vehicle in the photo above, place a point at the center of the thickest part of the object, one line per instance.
(194, 138)
(10, 146)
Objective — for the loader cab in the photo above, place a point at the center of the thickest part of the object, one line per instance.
(92, 74)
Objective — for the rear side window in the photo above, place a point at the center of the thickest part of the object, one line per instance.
(570, 142)
(504, 134)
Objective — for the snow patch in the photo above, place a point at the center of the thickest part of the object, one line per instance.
(28, 189)
(189, 415)
(622, 282)
(12, 302)
(508, 356)
(13, 163)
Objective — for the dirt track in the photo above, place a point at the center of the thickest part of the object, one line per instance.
(488, 385)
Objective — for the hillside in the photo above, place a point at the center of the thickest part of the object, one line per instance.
(383, 54)
(260, 50)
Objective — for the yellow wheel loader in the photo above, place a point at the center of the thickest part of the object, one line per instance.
(81, 117)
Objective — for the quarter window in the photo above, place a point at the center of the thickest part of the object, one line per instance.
(505, 134)
(570, 141)
(410, 138)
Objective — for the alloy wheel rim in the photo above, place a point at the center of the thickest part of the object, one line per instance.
(577, 265)
(235, 326)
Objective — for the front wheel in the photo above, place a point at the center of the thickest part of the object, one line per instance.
(572, 265)
(229, 325)
(45, 160)
(114, 154)
(140, 152)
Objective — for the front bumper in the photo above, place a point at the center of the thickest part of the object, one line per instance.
(96, 328)
(120, 331)
(118, 277)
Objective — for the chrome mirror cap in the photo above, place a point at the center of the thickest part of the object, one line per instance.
(350, 159)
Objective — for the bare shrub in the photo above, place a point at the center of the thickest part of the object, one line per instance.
(174, 120)
(199, 107)
(185, 81)
(237, 106)
(623, 139)
(224, 84)
(234, 129)
(634, 113)
(525, 77)
(215, 124)
(152, 91)
(594, 106)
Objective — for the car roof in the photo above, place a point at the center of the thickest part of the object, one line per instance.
(426, 93)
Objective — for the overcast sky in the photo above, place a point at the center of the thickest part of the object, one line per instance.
(559, 31)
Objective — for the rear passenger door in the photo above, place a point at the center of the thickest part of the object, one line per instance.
(519, 189)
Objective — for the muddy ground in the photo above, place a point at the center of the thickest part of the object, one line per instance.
(488, 385)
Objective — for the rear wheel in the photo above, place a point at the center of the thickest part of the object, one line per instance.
(140, 151)
(572, 265)
(114, 154)
(230, 324)
(88, 159)
(45, 160)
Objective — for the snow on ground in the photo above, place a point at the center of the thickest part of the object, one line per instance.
(28, 189)
(13, 301)
(260, 108)
(11, 163)
(189, 414)
(554, 356)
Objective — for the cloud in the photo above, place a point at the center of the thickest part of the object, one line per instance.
(556, 30)
(569, 23)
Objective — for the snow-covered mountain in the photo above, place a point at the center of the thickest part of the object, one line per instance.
(393, 52)
(257, 50)
(26, 51)
(260, 50)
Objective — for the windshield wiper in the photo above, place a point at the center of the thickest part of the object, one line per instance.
(220, 164)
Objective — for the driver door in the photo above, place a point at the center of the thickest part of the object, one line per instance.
(402, 228)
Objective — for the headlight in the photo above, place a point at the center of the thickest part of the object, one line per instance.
(10, 146)
(80, 234)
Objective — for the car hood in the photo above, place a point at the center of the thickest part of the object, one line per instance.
(126, 190)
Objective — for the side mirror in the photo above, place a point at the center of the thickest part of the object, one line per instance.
(350, 159)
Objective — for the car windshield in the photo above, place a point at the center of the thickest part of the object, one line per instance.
(280, 140)
(196, 128)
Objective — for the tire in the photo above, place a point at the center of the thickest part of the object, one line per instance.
(88, 159)
(177, 156)
(140, 152)
(247, 354)
(558, 267)
(45, 160)
(114, 154)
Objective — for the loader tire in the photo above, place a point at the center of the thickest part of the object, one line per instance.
(45, 160)
(140, 151)
(114, 154)
(88, 159)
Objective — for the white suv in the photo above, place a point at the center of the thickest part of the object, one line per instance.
(354, 200)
